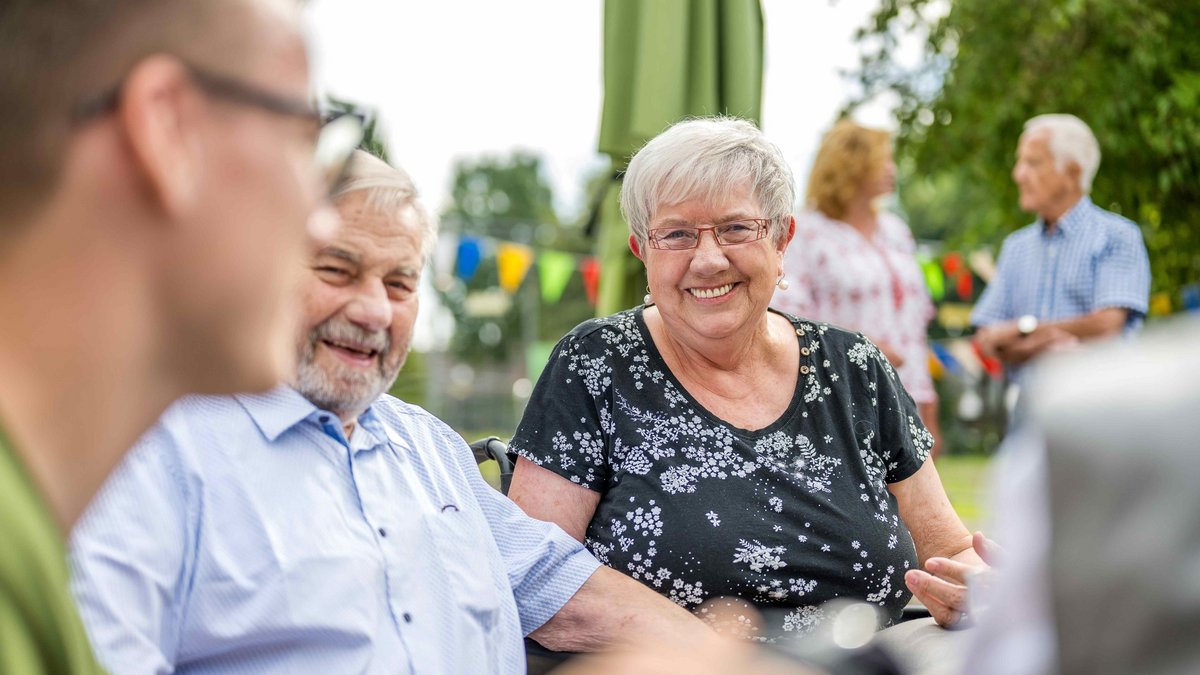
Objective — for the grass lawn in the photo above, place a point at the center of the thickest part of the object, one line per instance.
(965, 478)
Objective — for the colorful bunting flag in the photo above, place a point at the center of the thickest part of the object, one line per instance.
(952, 263)
(1191, 297)
(513, 261)
(470, 253)
(554, 271)
(1160, 304)
(944, 359)
(964, 286)
(934, 280)
(590, 269)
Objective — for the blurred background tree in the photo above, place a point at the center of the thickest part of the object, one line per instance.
(1131, 70)
(508, 199)
(372, 140)
(503, 197)
(502, 337)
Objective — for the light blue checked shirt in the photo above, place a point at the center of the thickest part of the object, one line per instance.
(246, 534)
(1094, 259)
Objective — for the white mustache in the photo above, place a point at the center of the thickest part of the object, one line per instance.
(337, 331)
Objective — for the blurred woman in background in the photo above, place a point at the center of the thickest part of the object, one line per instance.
(853, 265)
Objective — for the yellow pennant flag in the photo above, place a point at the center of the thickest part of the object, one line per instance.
(1160, 304)
(513, 261)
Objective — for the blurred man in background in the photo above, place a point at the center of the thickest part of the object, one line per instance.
(156, 181)
(1079, 272)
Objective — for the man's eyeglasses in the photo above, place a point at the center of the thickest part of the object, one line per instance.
(741, 231)
(339, 133)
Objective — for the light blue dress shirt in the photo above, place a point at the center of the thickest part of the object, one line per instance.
(1092, 260)
(246, 534)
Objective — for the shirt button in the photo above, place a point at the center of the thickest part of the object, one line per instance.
(382, 532)
(407, 617)
(804, 351)
(799, 331)
(324, 419)
(803, 370)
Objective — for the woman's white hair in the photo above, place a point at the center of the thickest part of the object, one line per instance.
(706, 158)
(389, 189)
(1070, 140)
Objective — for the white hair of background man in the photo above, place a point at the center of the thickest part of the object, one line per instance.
(389, 191)
(1070, 140)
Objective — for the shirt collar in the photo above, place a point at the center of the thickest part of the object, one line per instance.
(277, 410)
(1073, 218)
(282, 408)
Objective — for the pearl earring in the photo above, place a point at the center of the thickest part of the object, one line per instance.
(782, 283)
(646, 299)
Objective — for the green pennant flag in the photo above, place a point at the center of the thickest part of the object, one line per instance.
(554, 271)
(934, 279)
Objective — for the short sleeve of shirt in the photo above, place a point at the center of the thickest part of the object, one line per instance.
(545, 566)
(567, 421)
(993, 305)
(1123, 272)
(904, 441)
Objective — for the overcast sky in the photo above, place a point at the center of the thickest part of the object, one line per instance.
(461, 78)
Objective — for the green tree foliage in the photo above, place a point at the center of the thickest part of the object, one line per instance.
(372, 140)
(503, 197)
(1131, 70)
(509, 199)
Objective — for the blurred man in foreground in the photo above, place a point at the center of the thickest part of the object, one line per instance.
(327, 527)
(155, 185)
(1107, 463)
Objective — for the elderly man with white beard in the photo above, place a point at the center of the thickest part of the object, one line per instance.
(328, 527)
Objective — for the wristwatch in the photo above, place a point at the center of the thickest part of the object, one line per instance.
(1027, 324)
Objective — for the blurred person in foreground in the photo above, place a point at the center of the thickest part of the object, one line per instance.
(1078, 272)
(852, 265)
(709, 446)
(1105, 461)
(327, 527)
(156, 180)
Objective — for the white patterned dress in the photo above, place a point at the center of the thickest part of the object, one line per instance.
(785, 517)
(870, 285)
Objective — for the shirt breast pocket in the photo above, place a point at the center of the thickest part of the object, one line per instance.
(461, 539)
(1079, 283)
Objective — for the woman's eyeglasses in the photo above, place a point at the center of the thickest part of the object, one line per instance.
(741, 231)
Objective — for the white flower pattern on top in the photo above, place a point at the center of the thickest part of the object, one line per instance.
(799, 522)
(757, 556)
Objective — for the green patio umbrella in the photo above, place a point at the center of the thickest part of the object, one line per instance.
(665, 60)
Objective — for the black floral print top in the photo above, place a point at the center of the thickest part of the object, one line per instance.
(785, 517)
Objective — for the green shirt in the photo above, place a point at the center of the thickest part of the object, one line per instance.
(40, 631)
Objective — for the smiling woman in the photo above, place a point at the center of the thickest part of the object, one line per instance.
(709, 446)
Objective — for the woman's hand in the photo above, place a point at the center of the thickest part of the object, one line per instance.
(942, 586)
